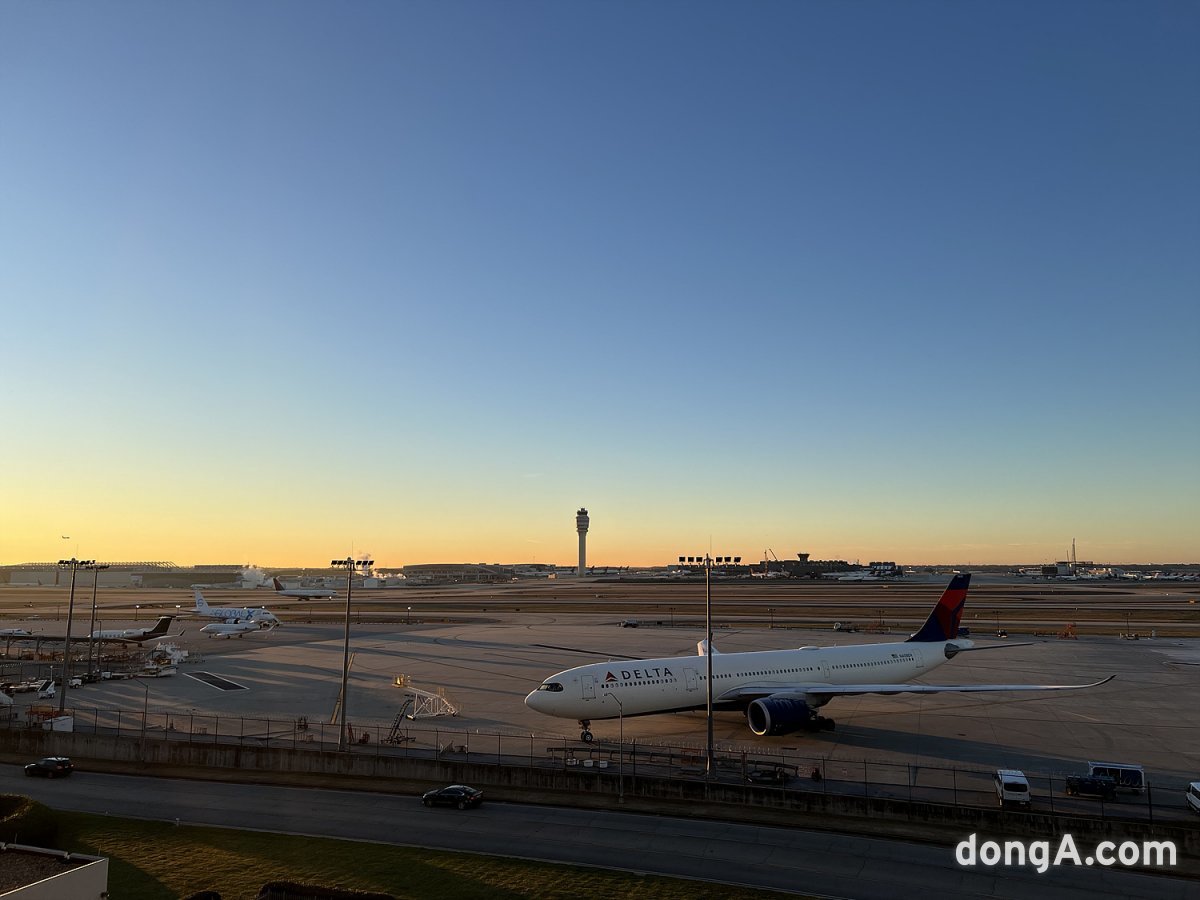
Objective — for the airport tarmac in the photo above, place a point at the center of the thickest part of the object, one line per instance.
(1149, 715)
(487, 653)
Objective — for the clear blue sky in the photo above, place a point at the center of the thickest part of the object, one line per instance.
(910, 281)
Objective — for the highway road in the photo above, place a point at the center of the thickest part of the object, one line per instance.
(831, 865)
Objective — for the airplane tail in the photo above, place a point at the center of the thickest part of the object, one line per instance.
(942, 624)
(201, 603)
(278, 586)
(160, 627)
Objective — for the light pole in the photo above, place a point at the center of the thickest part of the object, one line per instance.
(409, 620)
(621, 743)
(771, 610)
(92, 623)
(708, 562)
(351, 565)
(73, 564)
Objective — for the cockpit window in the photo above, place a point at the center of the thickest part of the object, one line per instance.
(553, 686)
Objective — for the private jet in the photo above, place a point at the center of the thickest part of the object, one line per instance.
(136, 635)
(780, 691)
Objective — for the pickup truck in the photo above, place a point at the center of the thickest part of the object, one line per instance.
(1086, 786)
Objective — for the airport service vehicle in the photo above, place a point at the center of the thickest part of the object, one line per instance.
(781, 691)
(232, 613)
(459, 795)
(1193, 796)
(1012, 787)
(1124, 775)
(630, 623)
(302, 593)
(51, 767)
(47, 690)
(1086, 786)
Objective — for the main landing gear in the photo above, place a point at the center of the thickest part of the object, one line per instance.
(586, 734)
(821, 723)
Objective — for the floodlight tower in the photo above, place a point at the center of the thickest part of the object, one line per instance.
(581, 525)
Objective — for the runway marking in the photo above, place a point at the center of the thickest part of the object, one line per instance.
(217, 681)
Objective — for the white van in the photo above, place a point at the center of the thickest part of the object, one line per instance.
(1012, 787)
(1127, 777)
(1193, 796)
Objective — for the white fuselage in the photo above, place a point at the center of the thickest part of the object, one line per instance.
(641, 687)
(230, 629)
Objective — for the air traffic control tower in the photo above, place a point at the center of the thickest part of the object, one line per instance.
(581, 525)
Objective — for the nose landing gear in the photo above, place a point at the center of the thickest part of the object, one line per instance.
(586, 734)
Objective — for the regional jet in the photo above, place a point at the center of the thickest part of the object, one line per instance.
(780, 690)
(303, 593)
(235, 628)
(232, 613)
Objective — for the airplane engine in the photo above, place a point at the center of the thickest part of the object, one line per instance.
(772, 716)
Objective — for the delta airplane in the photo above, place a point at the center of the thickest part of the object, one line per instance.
(303, 593)
(232, 613)
(235, 628)
(780, 690)
(136, 635)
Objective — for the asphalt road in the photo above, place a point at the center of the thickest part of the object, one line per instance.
(777, 858)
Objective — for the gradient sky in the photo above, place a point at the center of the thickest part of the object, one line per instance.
(868, 280)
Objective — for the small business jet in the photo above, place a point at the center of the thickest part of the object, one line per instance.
(234, 628)
(232, 613)
(14, 632)
(780, 690)
(303, 593)
(136, 635)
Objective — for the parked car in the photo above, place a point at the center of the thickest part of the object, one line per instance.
(1087, 786)
(51, 767)
(459, 795)
(1012, 787)
(768, 776)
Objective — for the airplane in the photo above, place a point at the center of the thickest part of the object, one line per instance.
(228, 613)
(136, 635)
(780, 691)
(303, 593)
(15, 632)
(234, 628)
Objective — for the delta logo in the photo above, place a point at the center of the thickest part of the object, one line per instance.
(635, 674)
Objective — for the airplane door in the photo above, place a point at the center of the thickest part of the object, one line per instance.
(825, 669)
(918, 659)
(691, 679)
(589, 687)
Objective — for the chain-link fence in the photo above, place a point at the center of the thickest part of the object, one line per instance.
(761, 768)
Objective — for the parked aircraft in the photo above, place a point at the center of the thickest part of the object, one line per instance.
(780, 690)
(15, 632)
(234, 628)
(303, 593)
(232, 613)
(136, 635)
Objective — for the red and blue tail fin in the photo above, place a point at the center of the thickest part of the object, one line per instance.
(942, 624)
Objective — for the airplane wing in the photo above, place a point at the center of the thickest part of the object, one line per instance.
(799, 692)
(587, 652)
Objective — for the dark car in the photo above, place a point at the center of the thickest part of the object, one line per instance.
(453, 795)
(51, 767)
(1086, 786)
(768, 776)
